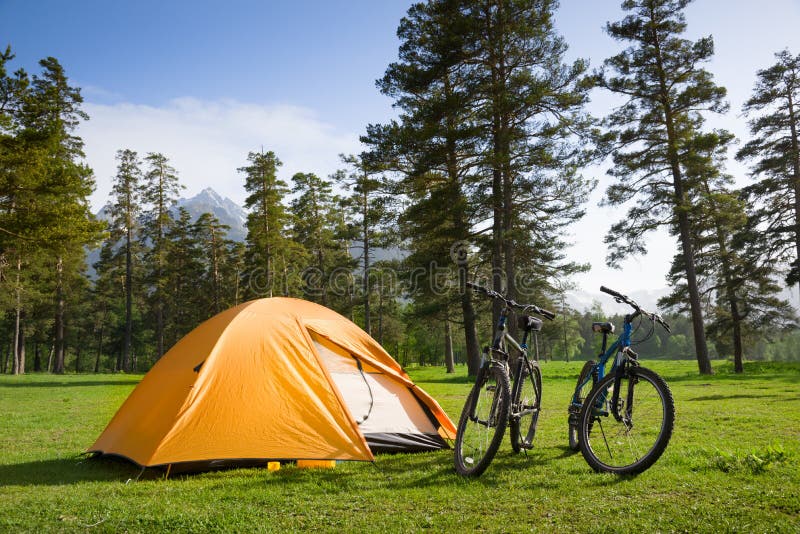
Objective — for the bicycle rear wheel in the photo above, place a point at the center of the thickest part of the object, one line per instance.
(577, 401)
(526, 405)
(483, 422)
(634, 443)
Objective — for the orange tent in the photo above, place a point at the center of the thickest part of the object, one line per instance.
(273, 379)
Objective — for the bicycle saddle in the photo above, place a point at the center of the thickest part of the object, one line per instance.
(606, 328)
(529, 323)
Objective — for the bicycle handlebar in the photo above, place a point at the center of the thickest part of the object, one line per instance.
(619, 297)
(547, 314)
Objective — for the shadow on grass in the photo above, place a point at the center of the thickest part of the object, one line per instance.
(67, 384)
(732, 397)
(68, 471)
(450, 379)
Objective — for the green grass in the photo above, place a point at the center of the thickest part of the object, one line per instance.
(733, 465)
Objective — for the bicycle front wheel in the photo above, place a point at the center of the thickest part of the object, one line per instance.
(632, 442)
(483, 422)
(526, 405)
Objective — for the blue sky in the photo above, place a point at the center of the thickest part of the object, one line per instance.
(205, 82)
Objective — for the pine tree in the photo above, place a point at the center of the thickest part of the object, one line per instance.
(485, 93)
(437, 136)
(267, 246)
(45, 186)
(127, 191)
(369, 207)
(232, 274)
(774, 109)
(530, 103)
(160, 190)
(315, 228)
(666, 88)
(53, 111)
(735, 271)
(214, 247)
(108, 309)
(185, 268)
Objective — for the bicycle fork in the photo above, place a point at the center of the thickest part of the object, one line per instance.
(626, 358)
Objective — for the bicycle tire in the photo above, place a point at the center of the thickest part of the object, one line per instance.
(483, 422)
(577, 402)
(638, 444)
(527, 402)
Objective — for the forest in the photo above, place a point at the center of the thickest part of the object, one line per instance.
(478, 178)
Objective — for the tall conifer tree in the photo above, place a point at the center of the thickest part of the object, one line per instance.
(160, 188)
(774, 109)
(315, 228)
(127, 191)
(267, 221)
(666, 88)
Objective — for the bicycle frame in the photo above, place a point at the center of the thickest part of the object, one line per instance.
(620, 348)
(502, 337)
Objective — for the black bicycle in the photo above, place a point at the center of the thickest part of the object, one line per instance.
(621, 421)
(507, 391)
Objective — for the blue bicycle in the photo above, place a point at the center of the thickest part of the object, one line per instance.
(621, 421)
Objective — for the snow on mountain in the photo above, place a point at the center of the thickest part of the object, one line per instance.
(207, 201)
(224, 209)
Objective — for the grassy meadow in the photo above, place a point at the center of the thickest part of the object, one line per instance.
(733, 465)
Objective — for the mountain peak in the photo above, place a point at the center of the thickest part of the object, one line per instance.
(223, 208)
(208, 191)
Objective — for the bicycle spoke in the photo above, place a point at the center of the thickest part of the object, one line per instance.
(482, 423)
(634, 442)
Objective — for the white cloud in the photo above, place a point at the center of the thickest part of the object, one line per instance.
(206, 141)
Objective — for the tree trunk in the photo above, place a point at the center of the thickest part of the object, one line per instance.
(497, 225)
(236, 291)
(37, 357)
(470, 335)
(380, 309)
(365, 282)
(448, 347)
(701, 348)
(8, 352)
(126, 355)
(99, 351)
(18, 313)
(508, 246)
(21, 347)
(462, 229)
(498, 154)
(59, 321)
(50, 358)
(15, 352)
(738, 365)
(159, 328)
(78, 359)
(564, 311)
